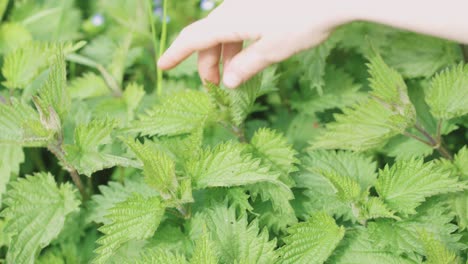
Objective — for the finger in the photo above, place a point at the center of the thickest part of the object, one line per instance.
(208, 64)
(200, 35)
(229, 51)
(250, 61)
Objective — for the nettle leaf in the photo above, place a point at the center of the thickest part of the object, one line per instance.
(388, 113)
(321, 194)
(11, 156)
(86, 154)
(447, 96)
(275, 220)
(114, 193)
(375, 208)
(347, 189)
(459, 201)
(275, 151)
(136, 218)
(54, 93)
(20, 124)
(226, 165)
(181, 113)
(242, 99)
(183, 147)
(355, 165)
(24, 64)
(422, 59)
(158, 168)
(35, 213)
(358, 247)
(406, 184)
(372, 125)
(157, 256)
(48, 20)
(436, 252)
(403, 236)
(89, 85)
(314, 62)
(235, 240)
(13, 36)
(339, 91)
(204, 252)
(312, 241)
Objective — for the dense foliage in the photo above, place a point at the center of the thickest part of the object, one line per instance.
(352, 152)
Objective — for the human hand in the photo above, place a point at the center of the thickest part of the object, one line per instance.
(278, 29)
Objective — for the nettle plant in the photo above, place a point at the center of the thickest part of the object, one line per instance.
(352, 152)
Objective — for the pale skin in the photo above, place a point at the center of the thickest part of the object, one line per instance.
(278, 29)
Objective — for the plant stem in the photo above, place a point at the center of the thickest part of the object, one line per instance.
(58, 151)
(162, 46)
(417, 138)
(435, 143)
(108, 78)
(465, 52)
(153, 36)
(240, 133)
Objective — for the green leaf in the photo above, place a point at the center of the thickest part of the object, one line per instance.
(339, 91)
(347, 189)
(277, 221)
(242, 99)
(460, 162)
(20, 124)
(35, 213)
(375, 208)
(181, 113)
(114, 193)
(54, 94)
(13, 36)
(158, 168)
(448, 94)
(436, 252)
(372, 124)
(406, 184)
(24, 64)
(236, 241)
(157, 256)
(459, 201)
(358, 247)
(136, 218)
(388, 113)
(403, 236)
(204, 252)
(86, 154)
(459, 204)
(422, 59)
(11, 157)
(48, 20)
(355, 165)
(275, 151)
(320, 194)
(312, 241)
(226, 165)
(314, 62)
(389, 88)
(88, 86)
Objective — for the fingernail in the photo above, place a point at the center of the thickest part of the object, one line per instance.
(231, 80)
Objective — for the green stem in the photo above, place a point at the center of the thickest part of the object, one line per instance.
(465, 52)
(435, 143)
(162, 46)
(58, 151)
(153, 36)
(108, 78)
